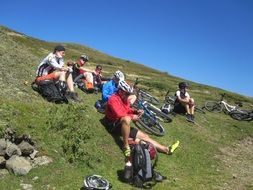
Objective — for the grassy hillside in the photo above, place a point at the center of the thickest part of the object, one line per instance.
(217, 153)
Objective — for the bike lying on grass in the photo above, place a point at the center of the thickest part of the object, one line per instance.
(233, 110)
(144, 95)
(170, 100)
(242, 116)
(149, 102)
(150, 119)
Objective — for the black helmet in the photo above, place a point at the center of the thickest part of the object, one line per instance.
(182, 85)
(59, 48)
(166, 108)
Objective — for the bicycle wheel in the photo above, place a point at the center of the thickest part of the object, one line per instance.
(241, 115)
(199, 110)
(151, 126)
(213, 106)
(159, 114)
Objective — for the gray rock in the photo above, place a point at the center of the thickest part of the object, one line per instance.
(3, 173)
(18, 165)
(9, 134)
(32, 156)
(25, 186)
(26, 148)
(3, 146)
(12, 149)
(35, 178)
(40, 161)
(2, 161)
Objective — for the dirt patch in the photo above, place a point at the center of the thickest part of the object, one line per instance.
(238, 164)
(15, 34)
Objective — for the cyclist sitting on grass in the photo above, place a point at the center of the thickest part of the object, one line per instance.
(98, 79)
(119, 115)
(81, 75)
(184, 103)
(108, 89)
(52, 68)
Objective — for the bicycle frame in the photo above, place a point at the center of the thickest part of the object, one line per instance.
(147, 113)
(148, 119)
(228, 107)
(222, 105)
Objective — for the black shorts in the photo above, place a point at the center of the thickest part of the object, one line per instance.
(179, 108)
(115, 128)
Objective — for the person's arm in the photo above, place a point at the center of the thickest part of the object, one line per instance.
(52, 62)
(85, 69)
(118, 109)
(105, 78)
(182, 100)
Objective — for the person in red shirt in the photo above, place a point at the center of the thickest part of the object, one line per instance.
(119, 115)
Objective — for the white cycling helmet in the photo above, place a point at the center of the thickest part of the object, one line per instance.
(125, 87)
(96, 182)
(119, 75)
(167, 108)
(84, 57)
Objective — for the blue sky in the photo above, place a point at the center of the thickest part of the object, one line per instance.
(206, 41)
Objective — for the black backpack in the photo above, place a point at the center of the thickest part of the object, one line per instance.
(144, 161)
(48, 90)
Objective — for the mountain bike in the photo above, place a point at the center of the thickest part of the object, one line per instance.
(233, 110)
(171, 101)
(144, 95)
(148, 120)
(242, 116)
(149, 101)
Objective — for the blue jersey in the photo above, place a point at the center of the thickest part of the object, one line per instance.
(109, 88)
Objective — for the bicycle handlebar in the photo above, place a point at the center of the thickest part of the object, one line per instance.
(136, 82)
(167, 93)
(222, 96)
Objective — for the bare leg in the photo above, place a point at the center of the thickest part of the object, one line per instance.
(125, 129)
(88, 77)
(70, 82)
(192, 106)
(143, 136)
(62, 75)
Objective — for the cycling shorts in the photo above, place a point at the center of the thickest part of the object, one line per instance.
(115, 128)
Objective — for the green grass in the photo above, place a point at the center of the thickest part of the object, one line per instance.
(210, 154)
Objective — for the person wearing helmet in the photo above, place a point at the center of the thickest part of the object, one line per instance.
(110, 87)
(82, 76)
(79, 70)
(52, 68)
(119, 115)
(184, 103)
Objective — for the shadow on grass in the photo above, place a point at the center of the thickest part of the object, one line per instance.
(115, 135)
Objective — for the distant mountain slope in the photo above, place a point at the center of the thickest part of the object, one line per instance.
(19, 52)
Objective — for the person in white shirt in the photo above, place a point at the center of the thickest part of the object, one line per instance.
(184, 103)
(52, 68)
